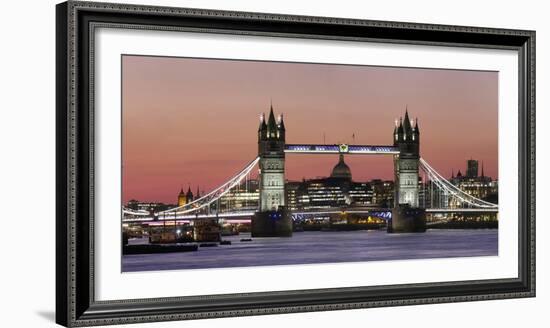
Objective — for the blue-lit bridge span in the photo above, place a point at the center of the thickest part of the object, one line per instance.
(139, 216)
(341, 149)
(132, 216)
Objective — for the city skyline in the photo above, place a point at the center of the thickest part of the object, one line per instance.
(176, 133)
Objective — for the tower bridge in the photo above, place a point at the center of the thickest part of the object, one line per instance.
(273, 218)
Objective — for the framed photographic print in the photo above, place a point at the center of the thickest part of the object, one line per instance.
(214, 163)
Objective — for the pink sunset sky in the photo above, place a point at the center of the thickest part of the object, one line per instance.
(193, 122)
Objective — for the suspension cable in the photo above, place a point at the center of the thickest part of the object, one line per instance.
(215, 194)
(452, 189)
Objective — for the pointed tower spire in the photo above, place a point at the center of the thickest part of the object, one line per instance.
(407, 125)
(271, 124)
(182, 199)
(416, 131)
(281, 122)
(482, 170)
(262, 122)
(281, 128)
(452, 173)
(400, 131)
(189, 194)
(395, 135)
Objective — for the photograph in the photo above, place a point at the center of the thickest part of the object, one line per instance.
(241, 163)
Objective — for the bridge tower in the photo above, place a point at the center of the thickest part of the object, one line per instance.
(407, 216)
(273, 218)
(407, 140)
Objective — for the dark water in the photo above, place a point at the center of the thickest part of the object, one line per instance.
(323, 247)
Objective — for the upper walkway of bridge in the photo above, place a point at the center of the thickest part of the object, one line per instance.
(341, 149)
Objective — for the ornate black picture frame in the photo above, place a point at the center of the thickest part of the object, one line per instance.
(75, 301)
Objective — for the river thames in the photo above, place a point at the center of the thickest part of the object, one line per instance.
(322, 247)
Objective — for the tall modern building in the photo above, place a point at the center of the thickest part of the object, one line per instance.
(479, 186)
(472, 168)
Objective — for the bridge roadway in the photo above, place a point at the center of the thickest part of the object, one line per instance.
(342, 148)
(322, 211)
